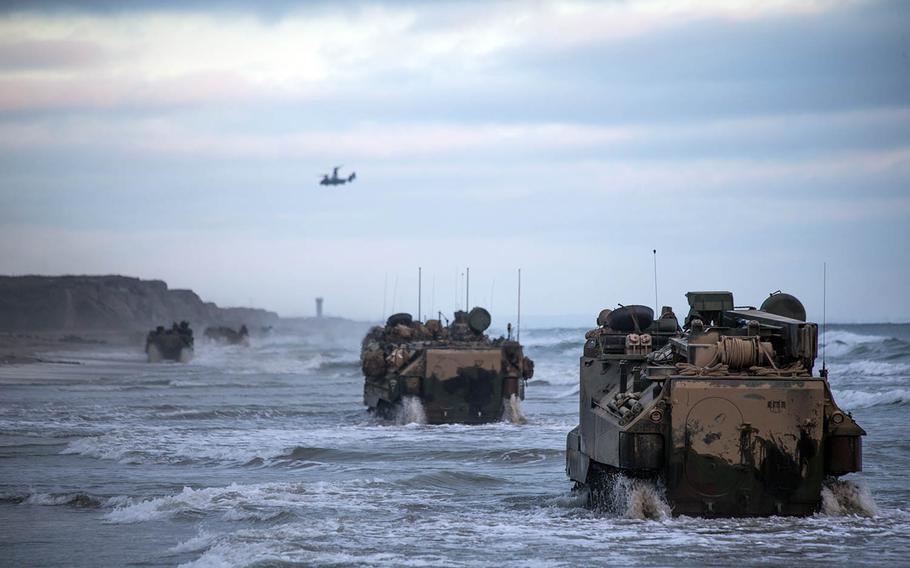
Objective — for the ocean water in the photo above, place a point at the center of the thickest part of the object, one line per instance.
(265, 456)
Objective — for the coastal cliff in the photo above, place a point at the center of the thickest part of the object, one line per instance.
(46, 303)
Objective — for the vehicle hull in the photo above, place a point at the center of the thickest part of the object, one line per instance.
(170, 347)
(724, 414)
(723, 447)
(464, 386)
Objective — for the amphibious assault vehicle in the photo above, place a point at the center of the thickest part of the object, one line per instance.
(228, 335)
(724, 412)
(458, 373)
(175, 343)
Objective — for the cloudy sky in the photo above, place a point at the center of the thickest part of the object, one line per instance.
(748, 142)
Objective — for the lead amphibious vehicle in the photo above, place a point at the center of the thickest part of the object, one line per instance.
(725, 412)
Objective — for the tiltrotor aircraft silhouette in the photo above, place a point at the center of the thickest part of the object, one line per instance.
(335, 180)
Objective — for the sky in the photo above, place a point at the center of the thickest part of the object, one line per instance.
(750, 143)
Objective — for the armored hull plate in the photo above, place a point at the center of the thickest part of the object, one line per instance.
(463, 386)
(725, 413)
(456, 373)
(170, 348)
(745, 446)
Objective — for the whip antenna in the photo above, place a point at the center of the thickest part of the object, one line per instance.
(467, 289)
(419, 292)
(457, 287)
(655, 282)
(824, 317)
(395, 293)
(385, 293)
(518, 329)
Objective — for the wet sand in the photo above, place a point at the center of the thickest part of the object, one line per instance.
(27, 347)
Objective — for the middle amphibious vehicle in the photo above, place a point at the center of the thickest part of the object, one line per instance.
(458, 373)
(175, 343)
(725, 413)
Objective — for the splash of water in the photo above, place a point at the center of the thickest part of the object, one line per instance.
(410, 411)
(842, 498)
(512, 412)
(154, 354)
(631, 498)
(643, 499)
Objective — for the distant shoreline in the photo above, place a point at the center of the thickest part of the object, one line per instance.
(110, 302)
(23, 347)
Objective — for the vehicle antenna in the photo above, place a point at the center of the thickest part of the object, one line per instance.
(433, 295)
(457, 287)
(385, 293)
(395, 293)
(467, 289)
(656, 305)
(419, 292)
(518, 327)
(824, 317)
(492, 289)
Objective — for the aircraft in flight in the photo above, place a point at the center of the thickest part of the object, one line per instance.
(335, 180)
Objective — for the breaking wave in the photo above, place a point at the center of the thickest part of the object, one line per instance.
(233, 503)
(864, 368)
(850, 399)
(452, 480)
(275, 360)
(178, 448)
(536, 338)
(340, 364)
(256, 502)
(77, 499)
(262, 412)
(571, 392)
(842, 344)
(305, 454)
(561, 348)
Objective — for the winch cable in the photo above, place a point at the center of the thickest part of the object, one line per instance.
(741, 354)
(737, 353)
(690, 370)
(766, 351)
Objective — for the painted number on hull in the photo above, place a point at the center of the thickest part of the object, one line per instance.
(777, 406)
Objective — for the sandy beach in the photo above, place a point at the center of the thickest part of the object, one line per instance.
(23, 348)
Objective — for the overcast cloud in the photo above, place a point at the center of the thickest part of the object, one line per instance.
(748, 142)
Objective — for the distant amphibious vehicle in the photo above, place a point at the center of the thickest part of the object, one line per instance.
(725, 411)
(175, 344)
(457, 373)
(228, 335)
